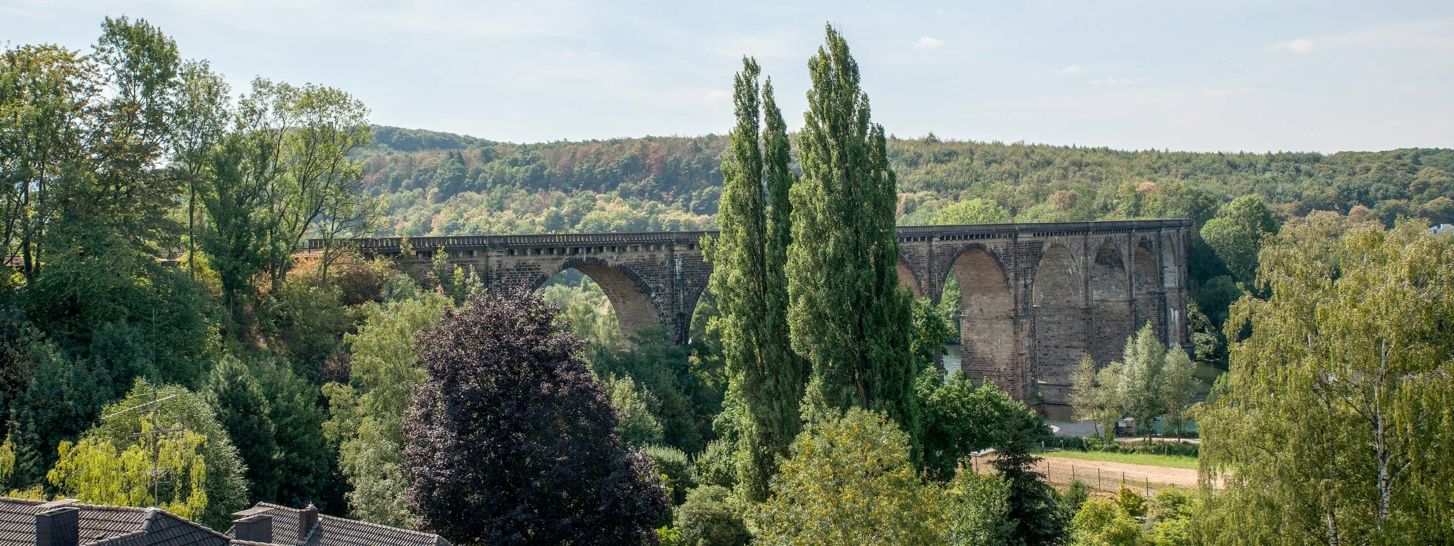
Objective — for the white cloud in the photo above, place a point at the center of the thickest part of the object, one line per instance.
(1117, 81)
(1422, 36)
(1227, 92)
(1427, 35)
(1300, 45)
(714, 95)
(926, 42)
(1072, 69)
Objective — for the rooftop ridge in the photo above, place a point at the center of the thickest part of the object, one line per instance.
(379, 525)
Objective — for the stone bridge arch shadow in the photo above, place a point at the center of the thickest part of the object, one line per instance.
(629, 294)
(1062, 331)
(987, 320)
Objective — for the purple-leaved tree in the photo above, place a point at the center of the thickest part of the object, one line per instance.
(510, 440)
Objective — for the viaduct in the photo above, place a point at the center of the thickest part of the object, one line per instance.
(1035, 296)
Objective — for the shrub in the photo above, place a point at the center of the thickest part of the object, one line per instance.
(710, 518)
(715, 465)
(677, 470)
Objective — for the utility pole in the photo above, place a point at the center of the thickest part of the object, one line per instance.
(154, 434)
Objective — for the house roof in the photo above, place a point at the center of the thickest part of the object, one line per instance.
(105, 525)
(333, 531)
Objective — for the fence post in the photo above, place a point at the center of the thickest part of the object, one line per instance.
(1148, 487)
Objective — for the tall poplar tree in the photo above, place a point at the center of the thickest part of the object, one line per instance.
(748, 278)
(848, 316)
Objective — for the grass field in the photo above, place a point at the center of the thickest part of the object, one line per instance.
(1169, 461)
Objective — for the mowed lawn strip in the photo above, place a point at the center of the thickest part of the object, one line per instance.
(1169, 461)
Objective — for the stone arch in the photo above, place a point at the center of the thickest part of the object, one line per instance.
(629, 294)
(1057, 279)
(1062, 323)
(908, 280)
(986, 325)
(1112, 319)
(1146, 288)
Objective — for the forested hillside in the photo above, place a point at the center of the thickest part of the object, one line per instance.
(444, 184)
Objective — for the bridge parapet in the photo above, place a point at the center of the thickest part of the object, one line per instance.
(1035, 297)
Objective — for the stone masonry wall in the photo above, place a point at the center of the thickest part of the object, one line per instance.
(1036, 297)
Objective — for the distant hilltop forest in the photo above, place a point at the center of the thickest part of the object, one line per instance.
(445, 184)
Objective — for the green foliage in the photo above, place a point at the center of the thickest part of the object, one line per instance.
(976, 507)
(1104, 523)
(847, 314)
(1170, 517)
(309, 321)
(95, 471)
(242, 410)
(766, 378)
(715, 465)
(849, 481)
(1237, 232)
(663, 372)
(365, 415)
(676, 469)
(306, 461)
(960, 418)
(121, 432)
(972, 211)
(1085, 399)
(1177, 386)
(1139, 385)
(585, 310)
(1033, 509)
(1131, 502)
(1150, 381)
(1325, 429)
(637, 427)
(710, 517)
(1075, 495)
(932, 329)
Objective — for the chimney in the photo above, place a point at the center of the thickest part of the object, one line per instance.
(254, 528)
(307, 519)
(58, 527)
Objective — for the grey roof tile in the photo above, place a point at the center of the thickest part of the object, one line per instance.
(334, 531)
(106, 525)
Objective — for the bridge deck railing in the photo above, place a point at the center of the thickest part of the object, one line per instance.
(386, 244)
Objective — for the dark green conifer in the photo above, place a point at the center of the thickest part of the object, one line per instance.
(848, 317)
(748, 278)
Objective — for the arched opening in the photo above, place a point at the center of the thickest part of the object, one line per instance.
(1061, 325)
(1112, 318)
(1147, 293)
(1057, 279)
(603, 304)
(907, 280)
(986, 323)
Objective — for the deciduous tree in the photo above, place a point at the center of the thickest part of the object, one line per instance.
(850, 481)
(1332, 422)
(748, 279)
(846, 311)
(511, 428)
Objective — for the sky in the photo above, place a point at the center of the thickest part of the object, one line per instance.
(1232, 75)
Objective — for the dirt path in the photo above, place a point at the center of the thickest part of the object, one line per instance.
(1104, 476)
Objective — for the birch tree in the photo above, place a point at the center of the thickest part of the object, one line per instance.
(1335, 424)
